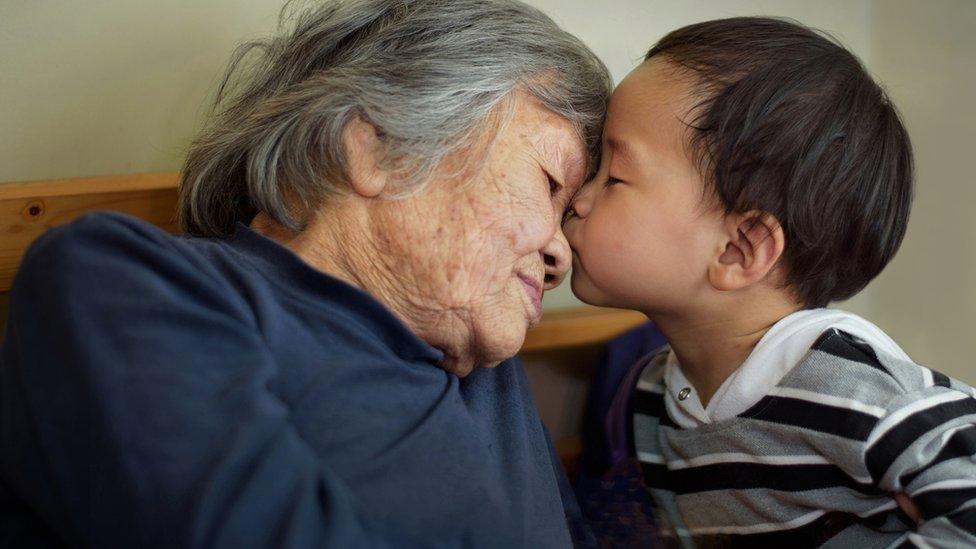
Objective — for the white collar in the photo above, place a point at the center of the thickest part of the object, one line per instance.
(782, 348)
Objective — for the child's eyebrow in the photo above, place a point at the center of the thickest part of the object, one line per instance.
(621, 149)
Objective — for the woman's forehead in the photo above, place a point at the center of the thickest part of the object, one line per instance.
(553, 139)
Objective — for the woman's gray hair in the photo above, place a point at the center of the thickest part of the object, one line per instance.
(427, 74)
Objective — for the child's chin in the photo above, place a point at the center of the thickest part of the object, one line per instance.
(585, 292)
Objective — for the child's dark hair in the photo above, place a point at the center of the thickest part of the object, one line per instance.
(791, 124)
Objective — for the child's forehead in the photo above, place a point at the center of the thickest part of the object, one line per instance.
(652, 107)
(658, 87)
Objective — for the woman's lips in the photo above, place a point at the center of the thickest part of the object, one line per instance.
(533, 288)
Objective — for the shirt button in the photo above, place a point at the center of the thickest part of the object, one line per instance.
(683, 394)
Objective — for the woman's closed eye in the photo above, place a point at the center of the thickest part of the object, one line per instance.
(554, 186)
(611, 181)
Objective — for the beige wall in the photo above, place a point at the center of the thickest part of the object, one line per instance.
(114, 86)
(117, 86)
(925, 52)
(111, 86)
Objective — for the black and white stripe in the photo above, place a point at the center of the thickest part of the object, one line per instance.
(804, 463)
(905, 426)
(818, 412)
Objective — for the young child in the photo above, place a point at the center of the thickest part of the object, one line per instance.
(752, 173)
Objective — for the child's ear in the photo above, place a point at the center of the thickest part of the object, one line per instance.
(362, 146)
(754, 243)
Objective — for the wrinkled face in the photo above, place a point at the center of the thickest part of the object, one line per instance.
(478, 246)
(643, 233)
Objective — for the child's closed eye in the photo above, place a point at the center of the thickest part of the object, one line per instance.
(611, 181)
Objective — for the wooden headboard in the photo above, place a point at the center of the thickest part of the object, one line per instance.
(27, 209)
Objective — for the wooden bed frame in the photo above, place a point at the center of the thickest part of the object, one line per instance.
(27, 209)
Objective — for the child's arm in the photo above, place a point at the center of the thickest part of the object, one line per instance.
(925, 447)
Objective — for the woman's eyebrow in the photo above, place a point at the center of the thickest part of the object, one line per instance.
(560, 165)
(575, 171)
(575, 166)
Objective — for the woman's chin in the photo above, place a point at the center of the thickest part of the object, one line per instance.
(501, 342)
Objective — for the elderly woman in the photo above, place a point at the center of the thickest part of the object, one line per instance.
(371, 218)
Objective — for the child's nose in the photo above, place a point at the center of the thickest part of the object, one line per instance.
(584, 200)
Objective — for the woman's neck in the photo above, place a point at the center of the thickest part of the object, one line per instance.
(343, 245)
(341, 249)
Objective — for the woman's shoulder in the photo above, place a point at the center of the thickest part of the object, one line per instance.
(110, 242)
(109, 256)
(98, 236)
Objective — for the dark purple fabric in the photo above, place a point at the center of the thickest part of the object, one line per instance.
(600, 449)
(618, 508)
(609, 487)
(618, 423)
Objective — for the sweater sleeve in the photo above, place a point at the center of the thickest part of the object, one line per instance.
(135, 409)
(925, 447)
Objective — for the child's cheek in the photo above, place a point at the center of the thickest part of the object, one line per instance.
(605, 250)
(610, 231)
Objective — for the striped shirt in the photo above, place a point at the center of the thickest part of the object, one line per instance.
(817, 459)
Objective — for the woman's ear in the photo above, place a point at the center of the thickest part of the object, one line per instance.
(362, 147)
(754, 243)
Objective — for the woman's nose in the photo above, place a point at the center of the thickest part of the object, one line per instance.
(557, 258)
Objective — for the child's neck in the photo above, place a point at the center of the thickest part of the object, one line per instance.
(711, 345)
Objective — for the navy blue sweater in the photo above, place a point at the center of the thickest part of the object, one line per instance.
(171, 391)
